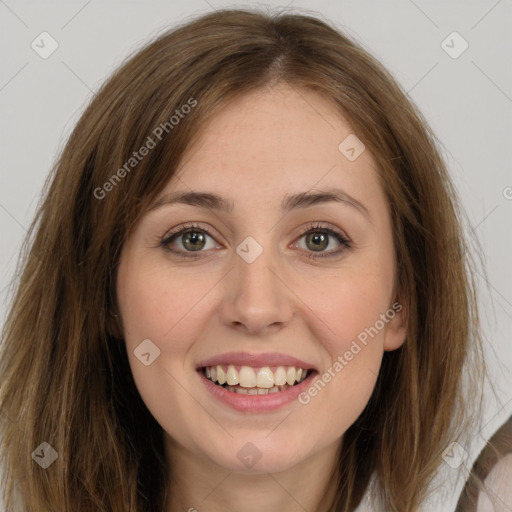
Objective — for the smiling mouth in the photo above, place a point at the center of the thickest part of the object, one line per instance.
(247, 380)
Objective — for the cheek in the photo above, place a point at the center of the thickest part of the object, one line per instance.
(351, 306)
(155, 306)
(352, 332)
(357, 341)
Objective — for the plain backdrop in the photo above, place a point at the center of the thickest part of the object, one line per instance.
(466, 97)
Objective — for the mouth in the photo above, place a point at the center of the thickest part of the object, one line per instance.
(248, 380)
(255, 383)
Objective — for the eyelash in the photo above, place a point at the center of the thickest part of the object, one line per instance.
(312, 228)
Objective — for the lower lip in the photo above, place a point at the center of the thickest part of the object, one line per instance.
(256, 403)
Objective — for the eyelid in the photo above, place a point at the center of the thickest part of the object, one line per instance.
(322, 225)
(188, 225)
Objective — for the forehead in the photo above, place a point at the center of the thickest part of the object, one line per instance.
(273, 141)
(279, 122)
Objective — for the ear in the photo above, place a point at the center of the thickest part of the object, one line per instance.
(396, 329)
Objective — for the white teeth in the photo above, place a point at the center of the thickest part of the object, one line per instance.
(231, 376)
(290, 375)
(253, 391)
(265, 378)
(261, 380)
(280, 376)
(247, 377)
(221, 376)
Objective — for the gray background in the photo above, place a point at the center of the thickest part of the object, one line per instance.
(467, 100)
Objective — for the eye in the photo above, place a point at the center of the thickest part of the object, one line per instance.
(318, 238)
(190, 240)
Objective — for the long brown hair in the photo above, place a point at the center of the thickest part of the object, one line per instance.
(65, 373)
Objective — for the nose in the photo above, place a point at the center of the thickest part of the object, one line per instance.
(257, 299)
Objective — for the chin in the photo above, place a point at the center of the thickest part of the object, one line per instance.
(258, 454)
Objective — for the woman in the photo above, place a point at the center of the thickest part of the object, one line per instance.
(246, 287)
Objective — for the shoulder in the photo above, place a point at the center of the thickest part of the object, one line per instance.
(489, 486)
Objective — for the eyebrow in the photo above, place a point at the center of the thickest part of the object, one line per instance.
(290, 202)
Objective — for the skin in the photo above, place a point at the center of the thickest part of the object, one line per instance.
(263, 146)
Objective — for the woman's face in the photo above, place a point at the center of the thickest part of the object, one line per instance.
(262, 283)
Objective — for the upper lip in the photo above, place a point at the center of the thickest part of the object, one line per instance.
(255, 360)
